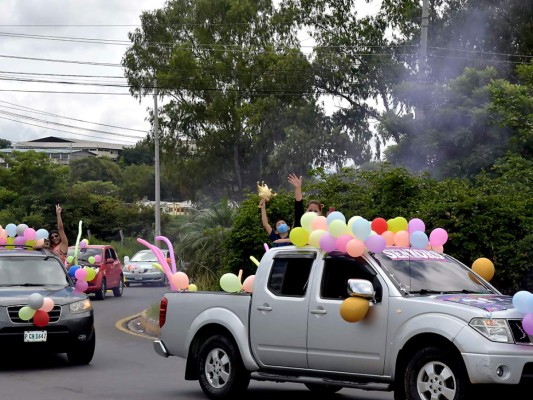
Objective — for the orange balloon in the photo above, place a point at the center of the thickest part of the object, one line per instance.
(484, 268)
(355, 247)
(389, 237)
(354, 309)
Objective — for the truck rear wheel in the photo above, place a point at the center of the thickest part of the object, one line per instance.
(221, 371)
(435, 373)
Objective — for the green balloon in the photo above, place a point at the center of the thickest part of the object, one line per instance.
(26, 313)
(230, 283)
(91, 259)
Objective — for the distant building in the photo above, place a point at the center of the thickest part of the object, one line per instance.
(170, 207)
(65, 150)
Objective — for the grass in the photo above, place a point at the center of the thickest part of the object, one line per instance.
(153, 311)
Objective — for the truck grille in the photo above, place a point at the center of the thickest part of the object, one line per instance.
(520, 336)
(13, 312)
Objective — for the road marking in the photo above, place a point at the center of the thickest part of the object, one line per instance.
(121, 326)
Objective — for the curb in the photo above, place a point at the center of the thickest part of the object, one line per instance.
(149, 325)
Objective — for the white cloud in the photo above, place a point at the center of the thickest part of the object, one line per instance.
(76, 19)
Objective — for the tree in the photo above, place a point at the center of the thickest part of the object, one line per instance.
(226, 67)
(138, 182)
(95, 169)
(142, 153)
(5, 144)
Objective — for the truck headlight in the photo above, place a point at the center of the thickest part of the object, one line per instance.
(80, 306)
(493, 329)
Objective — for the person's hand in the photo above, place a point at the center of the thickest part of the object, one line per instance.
(295, 180)
(262, 203)
(58, 209)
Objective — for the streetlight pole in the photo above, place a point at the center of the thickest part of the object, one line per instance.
(422, 54)
(157, 231)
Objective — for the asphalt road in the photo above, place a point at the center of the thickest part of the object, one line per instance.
(125, 366)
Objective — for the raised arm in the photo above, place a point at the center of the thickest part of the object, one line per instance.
(296, 181)
(61, 230)
(264, 217)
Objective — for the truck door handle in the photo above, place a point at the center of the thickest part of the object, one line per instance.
(264, 307)
(319, 310)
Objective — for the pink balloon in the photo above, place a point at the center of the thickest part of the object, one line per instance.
(401, 239)
(527, 323)
(266, 246)
(342, 241)
(81, 274)
(320, 222)
(328, 242)
(375, 243)
(97, 258)
(248, 284)
(416, 224)
(29, 233)
(81, 286)
(438, 249)
(355, 247)
(48, 304)
(438, 237)
(181, 280)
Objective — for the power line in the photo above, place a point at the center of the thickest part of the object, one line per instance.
(22, 108)
(61, 61)
(64, 75)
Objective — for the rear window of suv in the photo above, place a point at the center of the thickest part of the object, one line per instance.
(32, 271)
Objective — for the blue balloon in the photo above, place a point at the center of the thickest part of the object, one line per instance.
(521, 301)
(361, 228)
(11, 230)
(72, 270)
(41, 234)
(419, 240)
(335, 215)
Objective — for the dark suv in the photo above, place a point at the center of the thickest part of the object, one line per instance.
(70, 328)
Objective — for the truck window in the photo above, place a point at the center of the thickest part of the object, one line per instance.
(289, 276)
(337, 271)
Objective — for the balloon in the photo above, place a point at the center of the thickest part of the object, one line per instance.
(41, 234)
(70, 259)
(438, 237)
(401, 223)
(181, 280)
(299, 236)
(30, 234)
(72, 270)
(19, 241)
(351, 221)
(35, 301)
(90, 273)
(419, 240)
(48, 304)
(81, 274)
(361, 228)
(320, 222)
(521, 300)
(401, 239)
(355, 247)
(389, 237)
(335, 216)
(266, 246)
(337, 228)
(192, 287)
(379, 225)
(41, 318)
(81, 286)
(307, 220)
(255, 261)
(314, 237)
(527, 323)
(230, 283)
(375, 244)
(20, 229)
(416, 224)
(328, 242)
(83, 244)
(26, 313)
(11, 230)
(484, 268)
(248, 284)
(438, 249)
(342, 241)
(170, 252)
(97, 258)
(354, 309)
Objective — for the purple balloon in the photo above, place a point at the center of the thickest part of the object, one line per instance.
(416, 224)
(328, 242)
(527, 323)
(20, 241)
(375, 243)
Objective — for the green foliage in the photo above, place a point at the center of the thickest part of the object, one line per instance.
(95, 169)
(5, 144)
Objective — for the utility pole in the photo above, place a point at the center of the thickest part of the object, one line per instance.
(157, 231)
(422, 54)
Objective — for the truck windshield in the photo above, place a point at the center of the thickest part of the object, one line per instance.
(426, 272)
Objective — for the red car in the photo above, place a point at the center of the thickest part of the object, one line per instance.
(107, 266)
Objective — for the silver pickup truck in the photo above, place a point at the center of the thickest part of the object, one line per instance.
(434, 329)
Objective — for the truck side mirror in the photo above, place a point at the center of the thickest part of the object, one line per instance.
(361, 288)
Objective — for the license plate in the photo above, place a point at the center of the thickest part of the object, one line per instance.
(138, 278)
(35, 336)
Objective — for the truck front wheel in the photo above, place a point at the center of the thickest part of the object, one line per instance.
(221, 371)
(434, 373)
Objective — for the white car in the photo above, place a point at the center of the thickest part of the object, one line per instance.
(140, 269)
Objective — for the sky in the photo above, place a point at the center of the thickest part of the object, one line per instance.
(35, 35)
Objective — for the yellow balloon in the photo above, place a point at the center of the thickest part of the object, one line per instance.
(337, 228)
(484, 268)
(299, 236)
(193, 287)
(307, 220)
(91, 274)
(354, 309)
(314, 237)
(159, 267)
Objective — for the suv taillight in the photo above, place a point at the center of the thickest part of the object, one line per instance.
(163, 312)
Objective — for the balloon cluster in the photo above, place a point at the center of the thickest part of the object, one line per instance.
(38, 308)
(231, 283)
(358, 234)
(82, 275)
(523, 302)
(178, 280)
(22, 235)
